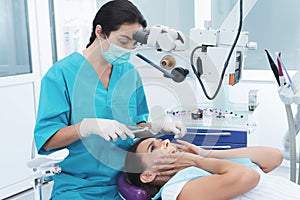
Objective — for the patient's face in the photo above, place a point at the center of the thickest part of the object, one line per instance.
(152, 148)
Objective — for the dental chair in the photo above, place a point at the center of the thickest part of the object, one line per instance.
(128, 191)
(45, 166)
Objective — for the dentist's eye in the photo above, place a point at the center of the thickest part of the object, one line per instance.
(124, 42)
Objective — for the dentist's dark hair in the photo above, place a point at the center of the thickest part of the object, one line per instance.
(115, 13)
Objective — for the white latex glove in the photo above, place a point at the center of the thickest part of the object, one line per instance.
(106, 128)
(176, 127)
(160, 123)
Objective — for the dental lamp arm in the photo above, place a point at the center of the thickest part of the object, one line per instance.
(161, 38)
(166, 39)
(178, 74)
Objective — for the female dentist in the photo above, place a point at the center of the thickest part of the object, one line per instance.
(88, 99)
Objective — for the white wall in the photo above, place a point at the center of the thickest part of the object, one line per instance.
(202, 12)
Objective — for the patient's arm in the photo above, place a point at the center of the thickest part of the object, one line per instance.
(268, 158)
(229, 180)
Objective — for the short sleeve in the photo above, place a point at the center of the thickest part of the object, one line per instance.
(54, 107)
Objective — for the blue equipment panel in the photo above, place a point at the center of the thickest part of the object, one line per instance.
(214, 138)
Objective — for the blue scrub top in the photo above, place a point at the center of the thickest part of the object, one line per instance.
(71, 91)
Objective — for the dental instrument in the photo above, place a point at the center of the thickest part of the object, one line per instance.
(289, 94)
(273, 67)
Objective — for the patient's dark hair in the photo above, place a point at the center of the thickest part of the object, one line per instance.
(134, 167)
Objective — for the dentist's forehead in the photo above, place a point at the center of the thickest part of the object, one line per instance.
(126, 29)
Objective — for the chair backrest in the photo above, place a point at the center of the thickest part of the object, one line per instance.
(129, 191)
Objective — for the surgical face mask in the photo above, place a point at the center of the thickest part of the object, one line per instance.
(116, 55)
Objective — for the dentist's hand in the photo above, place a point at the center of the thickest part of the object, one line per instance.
(176, 127)
(161, 123)
(106, 128)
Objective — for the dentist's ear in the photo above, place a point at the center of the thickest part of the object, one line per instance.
(147, 176)
(99, 31)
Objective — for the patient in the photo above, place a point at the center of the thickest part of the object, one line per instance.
(184, 171)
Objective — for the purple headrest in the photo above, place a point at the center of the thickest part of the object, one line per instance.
(128, 191)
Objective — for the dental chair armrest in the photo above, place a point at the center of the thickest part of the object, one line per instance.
(43, 161)
(129, 191)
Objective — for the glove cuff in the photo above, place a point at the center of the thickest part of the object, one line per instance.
(84, 128)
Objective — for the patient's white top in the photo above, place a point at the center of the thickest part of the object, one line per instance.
(270, 187)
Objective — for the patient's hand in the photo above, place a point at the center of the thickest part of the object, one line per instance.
(190, 148)
(170, 164)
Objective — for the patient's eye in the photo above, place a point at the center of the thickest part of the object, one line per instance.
(152, 148)
(155, 145)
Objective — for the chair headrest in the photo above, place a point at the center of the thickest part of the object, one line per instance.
(129, 191)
